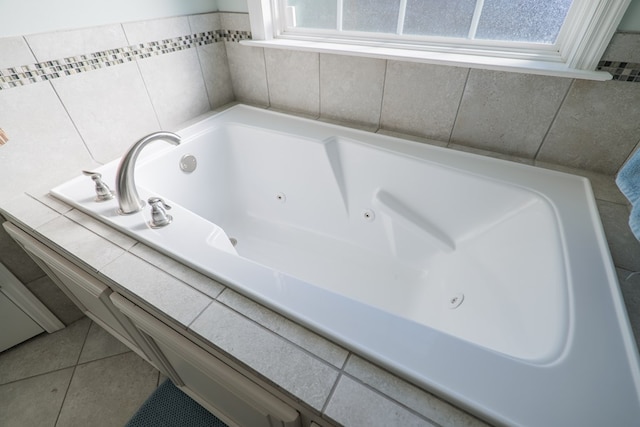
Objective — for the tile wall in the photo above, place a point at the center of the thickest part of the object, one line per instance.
(70, 99)
(577, 123)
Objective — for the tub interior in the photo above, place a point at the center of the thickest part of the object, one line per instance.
(477, 258)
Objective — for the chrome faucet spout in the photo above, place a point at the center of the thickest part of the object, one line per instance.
(126, 189)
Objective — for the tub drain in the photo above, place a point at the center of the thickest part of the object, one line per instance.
(455, 300)
(233, 241)
(188, 163)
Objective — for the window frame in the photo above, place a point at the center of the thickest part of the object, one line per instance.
(590, 25)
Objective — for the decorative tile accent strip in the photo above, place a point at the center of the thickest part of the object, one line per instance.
(43, 71)
(623, 71)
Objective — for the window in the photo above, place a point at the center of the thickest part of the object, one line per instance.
(554, 37)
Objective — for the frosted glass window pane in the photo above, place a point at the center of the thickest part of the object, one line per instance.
(315, 14)
(536, 21)
(380, 16)
(450, 18)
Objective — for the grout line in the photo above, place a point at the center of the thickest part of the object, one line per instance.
(144, 82)
(64, 399)
(384, 89)
(319, 85)
(331, 393)
(455, 120)
(266, 76)
(204, 80)
(628, 157)
(553, 120)
(73, 373)
(86, 146)
(272, 332)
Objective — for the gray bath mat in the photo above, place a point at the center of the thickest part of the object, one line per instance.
(168, 406)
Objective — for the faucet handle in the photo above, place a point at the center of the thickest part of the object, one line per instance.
(103, 192)
(159, 216)
(153, 201)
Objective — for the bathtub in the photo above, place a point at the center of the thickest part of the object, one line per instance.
(486, 282)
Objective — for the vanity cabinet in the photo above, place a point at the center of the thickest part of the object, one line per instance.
(87, 292)
(228, 394)
(223, 390)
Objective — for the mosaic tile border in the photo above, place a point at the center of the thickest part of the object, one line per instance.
(623, 71)
(48, 70)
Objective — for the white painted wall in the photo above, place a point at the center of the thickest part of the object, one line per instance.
(19, 17)
(631, 19)
(233, 6)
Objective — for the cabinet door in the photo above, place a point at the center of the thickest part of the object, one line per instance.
(89, 294)
(231, 396)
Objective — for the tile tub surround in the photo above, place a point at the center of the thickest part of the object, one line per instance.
(50, 69)
(327, 381)
(525, 115)
(70, 98)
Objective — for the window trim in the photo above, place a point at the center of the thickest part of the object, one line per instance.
(581, 43)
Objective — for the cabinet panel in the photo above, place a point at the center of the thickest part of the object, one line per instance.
(22, 326)
(87, 292)
(225, 392)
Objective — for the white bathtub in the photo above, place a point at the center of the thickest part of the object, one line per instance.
(484, 281)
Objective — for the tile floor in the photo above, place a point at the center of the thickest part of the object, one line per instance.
(79, 376)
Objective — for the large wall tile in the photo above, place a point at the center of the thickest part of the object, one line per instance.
(44, 148)
(596, 128)
(248, 73)
(175, 86)
(623, 47)
(174, 80)
(422, 99)
(110, 107)
(246, 64)
(14, 52)
(213, 60)
(156, 29)
(630, 287)
(42, 140)
(216, 74)
(235, 21)
(351, 88)
(508, 112)
(624, 247)
(62, 44)
(293, 79)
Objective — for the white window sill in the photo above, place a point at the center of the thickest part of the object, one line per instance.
(528, 66)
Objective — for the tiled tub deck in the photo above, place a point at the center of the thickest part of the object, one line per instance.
(326, 382)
